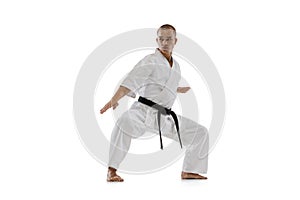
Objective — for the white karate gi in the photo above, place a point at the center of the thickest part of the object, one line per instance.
(154, 79)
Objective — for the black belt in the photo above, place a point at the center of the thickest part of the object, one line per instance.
(164, 111)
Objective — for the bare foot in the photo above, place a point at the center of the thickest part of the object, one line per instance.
(188, 175)
(112, 175)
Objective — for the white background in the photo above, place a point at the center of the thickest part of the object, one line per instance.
(254, 44)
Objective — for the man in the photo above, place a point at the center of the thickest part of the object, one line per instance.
(156, 79)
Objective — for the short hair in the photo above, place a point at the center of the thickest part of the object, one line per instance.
(167, 26)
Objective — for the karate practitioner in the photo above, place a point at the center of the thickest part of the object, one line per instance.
(155, 78)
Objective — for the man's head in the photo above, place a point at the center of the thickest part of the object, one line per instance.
(166, 38)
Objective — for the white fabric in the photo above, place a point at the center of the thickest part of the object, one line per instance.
(154, 79)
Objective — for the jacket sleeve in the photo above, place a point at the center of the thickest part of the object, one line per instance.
(138, 76)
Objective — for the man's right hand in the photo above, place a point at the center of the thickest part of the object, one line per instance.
(107, 106)
(122, 91)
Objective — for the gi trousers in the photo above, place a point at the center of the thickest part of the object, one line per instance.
(141, 118)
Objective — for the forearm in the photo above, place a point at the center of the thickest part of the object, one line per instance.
(121, 92)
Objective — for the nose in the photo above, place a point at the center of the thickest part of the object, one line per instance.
(164, 42)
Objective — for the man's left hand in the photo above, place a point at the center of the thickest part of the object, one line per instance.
(183, 89)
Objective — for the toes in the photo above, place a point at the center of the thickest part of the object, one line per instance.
(115, 179)
(192, 176)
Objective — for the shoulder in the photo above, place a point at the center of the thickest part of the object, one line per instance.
(150, 58)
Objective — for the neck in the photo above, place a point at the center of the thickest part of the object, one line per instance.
(168, 55)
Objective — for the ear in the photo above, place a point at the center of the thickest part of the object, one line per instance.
(157, 40)
(175, 40)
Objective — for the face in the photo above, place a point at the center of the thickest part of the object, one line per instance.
(166, 40)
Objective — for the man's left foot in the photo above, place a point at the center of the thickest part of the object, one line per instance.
(188, 175)
(112, 175)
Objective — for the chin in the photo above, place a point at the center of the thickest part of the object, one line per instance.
(166, 50)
